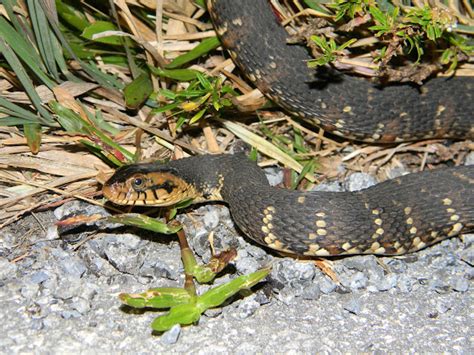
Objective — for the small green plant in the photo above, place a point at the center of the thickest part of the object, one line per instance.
(400, 29)
(184, 304)
(350, 8)
(330, 50)
(191, 104)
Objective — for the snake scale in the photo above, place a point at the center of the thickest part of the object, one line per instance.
(394, 217)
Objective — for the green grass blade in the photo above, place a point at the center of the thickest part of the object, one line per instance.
(201, 49)
(33, 136)
(138, 91)
(142, 221)
(264, 146)
(25, 80)
(25, 51)
(43, 37)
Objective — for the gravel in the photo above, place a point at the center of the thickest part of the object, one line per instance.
(59, 296)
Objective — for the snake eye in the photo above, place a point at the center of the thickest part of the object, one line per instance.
(138, 182)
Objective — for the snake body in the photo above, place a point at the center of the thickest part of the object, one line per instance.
(348, 106)
(393, 217)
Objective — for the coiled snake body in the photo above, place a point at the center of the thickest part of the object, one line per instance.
(393, 217)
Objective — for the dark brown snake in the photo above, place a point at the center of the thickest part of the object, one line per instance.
(394, 217)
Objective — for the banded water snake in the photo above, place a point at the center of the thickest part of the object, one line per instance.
(394, 217)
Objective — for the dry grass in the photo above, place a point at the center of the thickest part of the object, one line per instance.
(64, 169)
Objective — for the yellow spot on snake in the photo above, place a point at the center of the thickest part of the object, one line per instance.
(379, 231)
(265, 230)
(413, 230)
(416, 241)
(410, 220)
(347, 109)
(455, 229)
(312, 236)
(375, 212)
(237, 21)
(265, 220)
(270, 238)
(375, 246)
(322, 252)
(407, 210)
(321, 232)
(301, 199)
(252, 77)
(273, 65)
(320, 223)
(440, 110)
(312, 248)
(277, 245)
(269, 217)
(346, 246)
(380, 250)
(434, 234)
(447, 202)
(454, 218)
(321, 214)
(450, 210)
(378, 222)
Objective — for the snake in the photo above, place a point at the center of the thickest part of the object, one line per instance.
(394, 217)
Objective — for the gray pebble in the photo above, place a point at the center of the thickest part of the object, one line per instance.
(354, 281)
(312, 292)
(39, 277)
(405, 283)
(81, 305)
(247, 307)
(68, 288)
(7, 269)
(461, 285)
(246, 265)
(262, 298)
(157, 269)
(334, 186)
(30, 290)
(469, 159)
(68, 314)
(125, 254)
(73, 266)
(274, 175)
(171, 336)
(213, 312)
(468, 239)
(397, 266)
(326, 285)
(387, 283)
(353, 306)
(211, 218)
(359, 181)
(293, 273)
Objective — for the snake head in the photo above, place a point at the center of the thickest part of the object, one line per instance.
(147, 184)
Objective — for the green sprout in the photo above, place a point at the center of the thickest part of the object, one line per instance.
(350, 8)
(203, 94)
(185, 306)
(331, 51)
